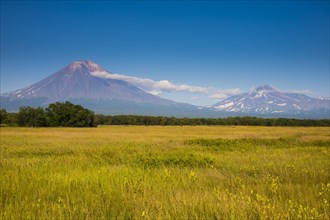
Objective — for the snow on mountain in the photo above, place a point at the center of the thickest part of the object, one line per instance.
(83, 80)
(266, 99)
(90, 85)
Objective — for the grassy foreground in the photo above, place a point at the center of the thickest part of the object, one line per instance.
(165, 172)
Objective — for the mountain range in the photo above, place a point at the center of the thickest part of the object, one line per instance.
(268, 100)
(82, 82)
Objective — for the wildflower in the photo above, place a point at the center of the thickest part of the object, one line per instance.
(167, 173)
(192, 175)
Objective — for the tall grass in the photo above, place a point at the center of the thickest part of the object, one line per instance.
(165, 172)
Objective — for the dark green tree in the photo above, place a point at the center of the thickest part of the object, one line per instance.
(3, 116)
(66, 114)
(31, 117)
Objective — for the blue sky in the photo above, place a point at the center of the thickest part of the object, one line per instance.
(225, 47)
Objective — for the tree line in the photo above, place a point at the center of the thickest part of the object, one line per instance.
(55, 115)
(70, 115)
(251, 121)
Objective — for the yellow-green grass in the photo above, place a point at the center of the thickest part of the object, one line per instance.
(159, 172)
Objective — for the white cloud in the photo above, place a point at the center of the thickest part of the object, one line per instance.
(218, 96)
(163, 85)
(156, 87)
(101, 74)
(169, 86)
(225, 93)
(154, 92)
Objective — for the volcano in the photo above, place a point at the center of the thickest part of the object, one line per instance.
(81, 82)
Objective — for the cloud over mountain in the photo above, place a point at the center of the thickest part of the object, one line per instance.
(224, 93)
(149, 84)
(156, 87)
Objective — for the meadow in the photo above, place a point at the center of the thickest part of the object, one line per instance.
(165, 172)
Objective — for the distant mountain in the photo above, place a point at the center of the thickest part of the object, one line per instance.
(80, 83)
(88, 84)
(268, 100)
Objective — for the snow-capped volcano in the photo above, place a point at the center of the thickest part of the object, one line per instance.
(83, 80)
(266, 99)
(90, 85)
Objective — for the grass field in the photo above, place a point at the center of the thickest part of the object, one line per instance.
(144, 172)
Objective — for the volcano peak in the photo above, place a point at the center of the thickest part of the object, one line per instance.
(88, 65)
(266, 87)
